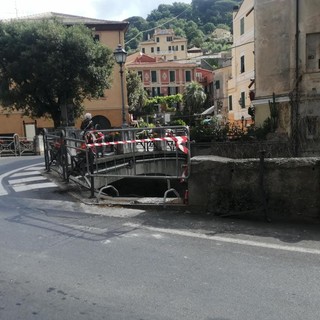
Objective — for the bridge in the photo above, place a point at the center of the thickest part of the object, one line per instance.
(101, 157)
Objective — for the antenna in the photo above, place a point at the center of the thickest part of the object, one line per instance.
(16, 8)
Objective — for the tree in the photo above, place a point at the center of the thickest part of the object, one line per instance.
(46, 66)
(204, 13)
(133, 38)
(208, 28)
(194, 35)
(194, 98)
(134, 35)
(215, 11)
(137, 96)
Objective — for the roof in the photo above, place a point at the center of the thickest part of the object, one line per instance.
(132, 57)
(208, 111)
(139, 57)
(166, 64)
(68, 19)
(195, 49)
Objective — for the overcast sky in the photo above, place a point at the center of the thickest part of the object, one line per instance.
(116, 10)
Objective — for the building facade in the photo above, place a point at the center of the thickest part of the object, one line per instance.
(106, 110)
(162, 78)
(222, 76)
(166, 45)
(287, 70)
(241, 81)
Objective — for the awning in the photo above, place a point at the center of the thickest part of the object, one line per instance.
(208, 111)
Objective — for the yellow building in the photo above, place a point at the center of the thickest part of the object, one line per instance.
(287, 69)
(241, 81)
(166, 45)
(106, 111)
(222, 76)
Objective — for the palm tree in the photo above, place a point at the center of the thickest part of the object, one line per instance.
(194, 98)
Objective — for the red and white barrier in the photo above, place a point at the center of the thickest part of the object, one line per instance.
(179, 141)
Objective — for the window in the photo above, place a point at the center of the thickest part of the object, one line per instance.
(152, 49)
(158, 49)
(241, 26)
(173, 90)
(217, 84)
(96, 37)
(182, 48)
(143, 50)
(311, 122)
(188, 76)
(242, 68)
(158, 39)
(155, 91)
(177, 48)
(242, 101)
(154, 76)
(169, 39)
(313, 52)
(140, 74)
(230, 103)
(169, 48)
(172, 75)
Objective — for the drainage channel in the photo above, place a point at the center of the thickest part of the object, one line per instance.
(145, 192)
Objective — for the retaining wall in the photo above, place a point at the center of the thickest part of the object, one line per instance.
(285, 187)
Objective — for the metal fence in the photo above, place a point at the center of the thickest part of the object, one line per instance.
(98, 158)
(14, 145)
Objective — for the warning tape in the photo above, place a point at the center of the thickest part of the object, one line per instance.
(179, 141)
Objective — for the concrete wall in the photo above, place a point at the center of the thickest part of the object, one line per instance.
(226, 186)
(274, 46)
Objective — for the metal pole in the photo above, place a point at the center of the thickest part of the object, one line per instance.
(124, 123)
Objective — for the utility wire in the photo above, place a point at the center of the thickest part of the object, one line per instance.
(157, 26)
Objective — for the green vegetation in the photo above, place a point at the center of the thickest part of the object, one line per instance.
(46, 66)
(195, 21)
(137, 96)
(194, 99)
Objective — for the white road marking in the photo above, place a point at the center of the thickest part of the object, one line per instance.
(35, 168)
(26, 187)
(3, 191)
(227, 239)
(24, 180)
(25, 174)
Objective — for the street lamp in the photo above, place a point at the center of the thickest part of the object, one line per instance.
(121, 56)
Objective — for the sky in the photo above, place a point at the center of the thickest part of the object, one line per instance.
(114, 10)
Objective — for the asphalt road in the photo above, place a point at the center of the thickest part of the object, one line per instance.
(61, 258)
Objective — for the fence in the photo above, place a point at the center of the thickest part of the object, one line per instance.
(102, 157)
(14, 145)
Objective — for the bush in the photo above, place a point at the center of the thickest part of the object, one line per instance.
(177, 122)
(208, 132)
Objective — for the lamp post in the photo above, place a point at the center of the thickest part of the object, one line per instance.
(121, 56)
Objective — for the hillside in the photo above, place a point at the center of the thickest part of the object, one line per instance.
(195, 21)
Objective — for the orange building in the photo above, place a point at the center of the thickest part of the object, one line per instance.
(162, 78)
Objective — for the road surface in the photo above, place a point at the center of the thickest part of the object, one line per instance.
(61, 258)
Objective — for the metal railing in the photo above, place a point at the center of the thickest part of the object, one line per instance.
(14, 145)
(101, 157)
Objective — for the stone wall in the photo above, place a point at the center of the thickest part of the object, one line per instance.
(285, 187)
